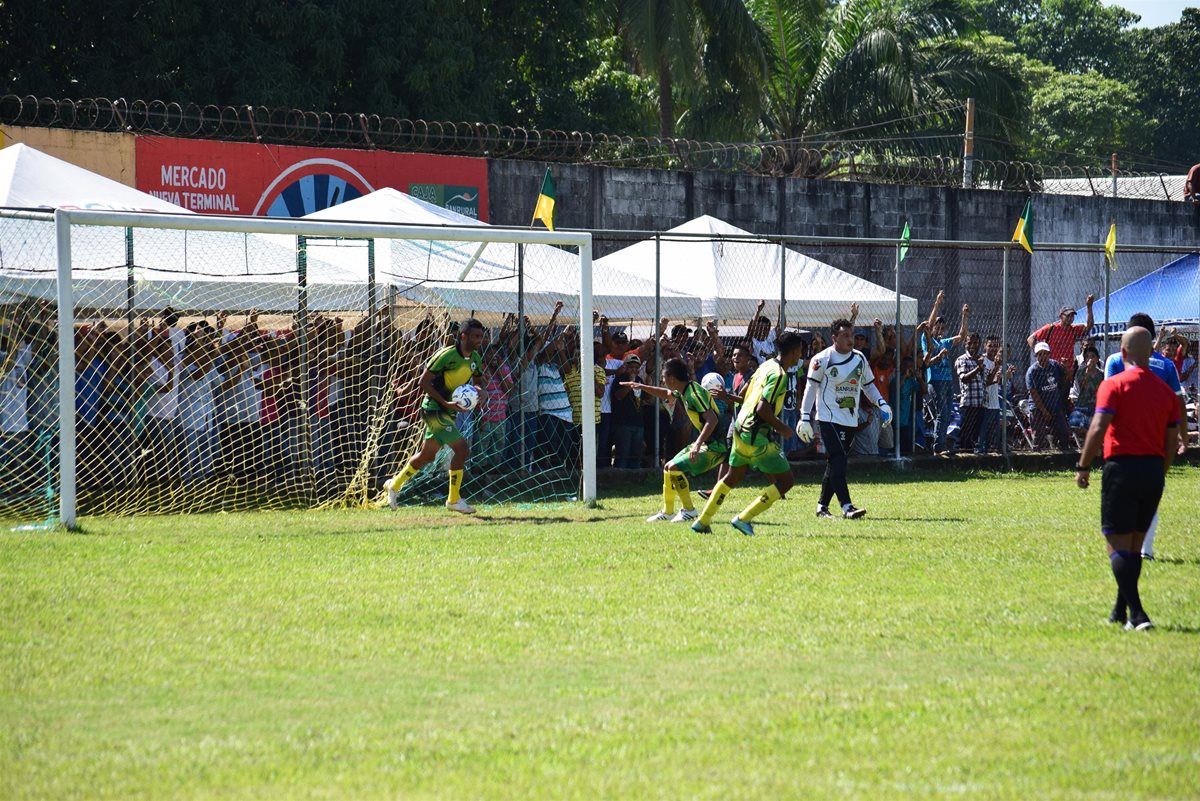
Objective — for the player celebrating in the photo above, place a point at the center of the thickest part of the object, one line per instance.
(837, 376)
(753, 445)
(451, 367)
(698, 458)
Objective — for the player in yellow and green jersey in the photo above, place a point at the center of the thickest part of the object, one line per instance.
(756, 436)
(698, 458)
(450, 368)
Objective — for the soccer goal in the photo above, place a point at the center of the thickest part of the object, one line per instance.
(154, 363)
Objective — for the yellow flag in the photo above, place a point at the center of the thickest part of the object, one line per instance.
(544, 210)
(1024, 232)
(1110, 247)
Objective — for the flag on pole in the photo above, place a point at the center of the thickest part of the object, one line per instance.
(904, 240)
(1110, 247)
(544, 210)
(1024, 232)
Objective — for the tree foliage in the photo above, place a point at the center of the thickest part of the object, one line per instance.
(1051, 77)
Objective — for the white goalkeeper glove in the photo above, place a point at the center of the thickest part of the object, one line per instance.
(805, 431)
(885, 414)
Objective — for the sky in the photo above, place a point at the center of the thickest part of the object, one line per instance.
(1155, 12)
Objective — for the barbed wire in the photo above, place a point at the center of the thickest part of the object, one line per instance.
(868, 160)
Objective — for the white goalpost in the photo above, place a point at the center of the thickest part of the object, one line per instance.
(432, 274)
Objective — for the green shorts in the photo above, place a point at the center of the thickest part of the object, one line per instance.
(439, 425)
(760, 453)
(711, 455)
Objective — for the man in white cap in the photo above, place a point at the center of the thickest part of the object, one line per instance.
(1045, 379)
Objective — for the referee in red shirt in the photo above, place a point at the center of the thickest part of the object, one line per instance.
(1137, 418)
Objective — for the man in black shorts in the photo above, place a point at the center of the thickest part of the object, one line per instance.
(1137, 419)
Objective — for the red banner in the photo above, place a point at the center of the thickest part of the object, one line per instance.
(280, 181)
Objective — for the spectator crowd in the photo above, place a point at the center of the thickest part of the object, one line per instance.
(173, 401)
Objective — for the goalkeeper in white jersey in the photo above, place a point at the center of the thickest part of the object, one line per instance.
(837, 378)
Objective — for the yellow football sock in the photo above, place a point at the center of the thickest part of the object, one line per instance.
(455, 484)
(668, 494)
(397, 481)
(761, 504)
(680, 482)
(714, 501)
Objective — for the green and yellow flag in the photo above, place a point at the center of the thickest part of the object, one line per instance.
(544, 210)
(904, 240)
(1110, 247)
(1024, 232)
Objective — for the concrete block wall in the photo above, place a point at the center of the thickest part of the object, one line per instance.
(602, 197)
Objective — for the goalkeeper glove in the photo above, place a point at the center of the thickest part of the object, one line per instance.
(805, 431)
(885, 414)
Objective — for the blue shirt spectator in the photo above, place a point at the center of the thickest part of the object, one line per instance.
(1161, 366)
(1047, 381)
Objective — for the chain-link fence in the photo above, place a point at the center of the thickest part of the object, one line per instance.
(231, 370)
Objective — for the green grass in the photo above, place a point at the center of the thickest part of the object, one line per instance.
(948, 645)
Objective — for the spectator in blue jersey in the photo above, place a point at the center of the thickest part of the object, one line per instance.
(1164, 368)
(940, 375)
(1044, 379)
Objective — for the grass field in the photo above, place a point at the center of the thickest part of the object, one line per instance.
(949, 645)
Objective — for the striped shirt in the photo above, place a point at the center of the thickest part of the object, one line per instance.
(552, 395)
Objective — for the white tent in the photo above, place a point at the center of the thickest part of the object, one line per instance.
(467, 276)
(199, 270)
(732, 276)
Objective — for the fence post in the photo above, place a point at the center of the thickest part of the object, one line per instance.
(782, 287)
(657, 345)
(1004, 358)
(521, 351)
(130, 290)
(306, 450)
(899, 378)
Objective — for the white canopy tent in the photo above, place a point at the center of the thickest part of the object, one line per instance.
(484, 278)
(732, 276)
(194, 270)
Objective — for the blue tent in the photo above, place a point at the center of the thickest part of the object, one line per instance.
(1170, 294)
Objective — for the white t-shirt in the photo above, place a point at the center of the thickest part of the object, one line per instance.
(196, 397)
(1191, 382)
(991, 392)
(840, 378)
(243, 403)
(165, 400)
(610, 363)
(763, 349)
(14, 416)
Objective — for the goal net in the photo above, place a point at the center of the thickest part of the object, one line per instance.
(216, 363)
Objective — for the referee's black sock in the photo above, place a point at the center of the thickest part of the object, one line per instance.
(1126, 568)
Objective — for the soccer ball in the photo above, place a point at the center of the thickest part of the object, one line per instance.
(466, 397)
(712, 382)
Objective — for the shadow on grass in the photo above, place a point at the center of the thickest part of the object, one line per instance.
(1174, 560)
(1174, 629)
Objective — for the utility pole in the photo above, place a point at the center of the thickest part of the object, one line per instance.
(969, 147)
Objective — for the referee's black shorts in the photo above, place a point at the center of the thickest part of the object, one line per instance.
(1130, 493)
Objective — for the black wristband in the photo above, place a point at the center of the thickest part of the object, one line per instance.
(1081, 468)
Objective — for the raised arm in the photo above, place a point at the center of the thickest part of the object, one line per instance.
(962, 325)
(762, 304)
(937, 305)
(1091, 318)
(877, 345)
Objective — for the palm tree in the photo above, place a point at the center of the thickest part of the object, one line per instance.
(894, 67)
(688, 45)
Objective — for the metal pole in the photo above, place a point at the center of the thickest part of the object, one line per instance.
(1114, 174)
(1004, 358)
(1107, 272)
(521, 350)
(782, 287)
(899, 378)
(657, 344)
(587, 386)
(66, 373)
(129, 295)
(306, 459)
(375, 332)
(969, 146)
